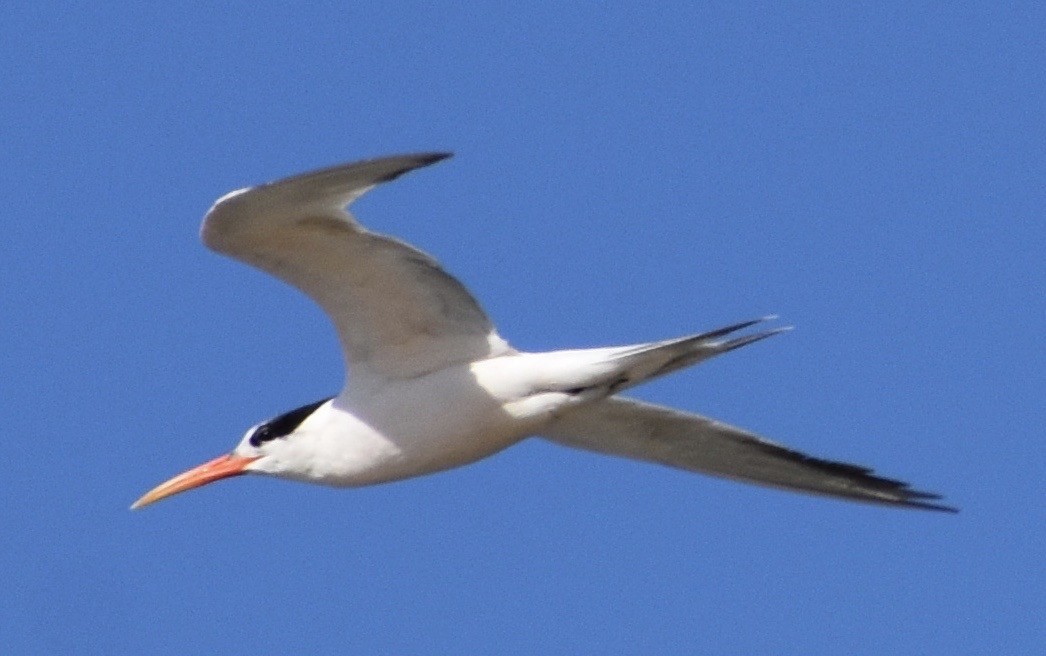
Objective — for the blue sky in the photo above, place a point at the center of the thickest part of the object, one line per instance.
(875, 174)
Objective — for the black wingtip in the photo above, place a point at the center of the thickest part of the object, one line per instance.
(409, 163)
(922, 505)
(425, 159)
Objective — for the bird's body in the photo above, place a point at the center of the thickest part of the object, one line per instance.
(433, 386)
(398, 430)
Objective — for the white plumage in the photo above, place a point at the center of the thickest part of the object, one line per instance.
(432, 385)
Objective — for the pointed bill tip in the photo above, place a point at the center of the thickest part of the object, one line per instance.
(214, 470)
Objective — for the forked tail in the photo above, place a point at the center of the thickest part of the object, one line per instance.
(632, 365)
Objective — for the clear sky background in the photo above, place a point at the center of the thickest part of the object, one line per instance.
(874, 173)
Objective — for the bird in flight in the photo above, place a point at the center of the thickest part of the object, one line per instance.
(433, 386)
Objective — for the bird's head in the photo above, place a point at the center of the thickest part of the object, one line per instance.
(263, 449)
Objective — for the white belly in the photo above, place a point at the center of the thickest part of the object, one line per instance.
(408, 428)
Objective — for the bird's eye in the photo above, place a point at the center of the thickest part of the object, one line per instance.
(283, 425)
(261, 434)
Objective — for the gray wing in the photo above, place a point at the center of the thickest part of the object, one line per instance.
(629, 428)
(398, 314)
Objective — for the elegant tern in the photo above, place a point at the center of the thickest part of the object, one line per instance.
(433, 386)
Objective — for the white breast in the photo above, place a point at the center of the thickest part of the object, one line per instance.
(393, 430)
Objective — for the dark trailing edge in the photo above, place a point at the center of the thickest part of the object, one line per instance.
(865, 476)
(285, 424)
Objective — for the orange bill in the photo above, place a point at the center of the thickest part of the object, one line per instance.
(217, 469)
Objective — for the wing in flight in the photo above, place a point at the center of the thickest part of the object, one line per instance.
(643, 431)
(398, 314)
